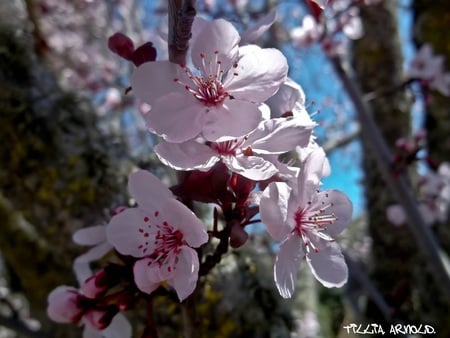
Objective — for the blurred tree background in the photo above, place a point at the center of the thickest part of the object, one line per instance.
(70, 135)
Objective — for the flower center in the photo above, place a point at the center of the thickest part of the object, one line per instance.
(313, 221)
(207, 87)
(227, 147)
(161, 241)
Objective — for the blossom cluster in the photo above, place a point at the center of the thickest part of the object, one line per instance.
(428, 68)
(328, 21)
(227, 118)
(433, 191)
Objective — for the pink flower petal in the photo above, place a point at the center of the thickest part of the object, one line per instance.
(146, 275)
(287, 264)
(90, 236)
(274, 210)
(188, 155)
(148, 191)
(311, 174)
(120, 327)
(177, 117)
(235, 118)
(287, 98)
(341, 207)
(81, 264)
(180, 217)
(218, 35)
(130, 234)
(279, 135)
(328, 264)
(252, 167)
(153, 80)
(260, 74)
(258, 29)
(186, 273)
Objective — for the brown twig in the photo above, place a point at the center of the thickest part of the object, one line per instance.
(181, 17)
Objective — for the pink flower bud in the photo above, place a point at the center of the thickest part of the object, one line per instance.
(95, 285)
(64, 305)
(121, 45)
(100, 318)
(238, 236)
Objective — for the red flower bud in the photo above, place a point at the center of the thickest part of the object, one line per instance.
(121, 45)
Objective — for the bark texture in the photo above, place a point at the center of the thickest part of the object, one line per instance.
(431, 20)
(378, 63)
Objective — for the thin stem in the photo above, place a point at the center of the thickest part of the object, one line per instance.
(437, 260)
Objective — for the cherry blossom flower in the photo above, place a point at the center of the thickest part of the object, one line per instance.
(162, 232)
(433, 198)
(305, 220)
(429, 68)
(308, 33)
(244, 155)
(95, 237)
(221, 100)
(68, 305)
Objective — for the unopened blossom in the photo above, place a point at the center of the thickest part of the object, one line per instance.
(162, 232)
(305, 220)
(68, 305)
(220, 98)
(244, 155)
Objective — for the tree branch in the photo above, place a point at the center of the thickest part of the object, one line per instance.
(333, 144)
(437, 260)
(181, 17)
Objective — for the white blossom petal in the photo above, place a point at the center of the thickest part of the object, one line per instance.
(274, 210)
(258, 29)
(287, 98)
(252, 167)
(90, 236)
(341, 207)
(328, 264)
(287, 265)
(260, 74)
(235, 118)
(215, 36)
(177, 117)
(188, 155)
(147, 190)
(81, 264)
(146, 275)
(120, 327)
(279, 135)
(182, 218)
(186, 273)
(125, 234)
(153, 80)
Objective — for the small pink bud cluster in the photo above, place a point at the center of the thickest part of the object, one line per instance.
(94, 305)
(406, 152)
